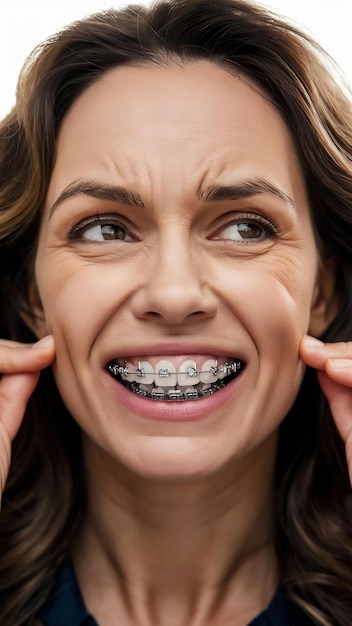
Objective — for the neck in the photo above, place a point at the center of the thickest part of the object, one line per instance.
(204, 546)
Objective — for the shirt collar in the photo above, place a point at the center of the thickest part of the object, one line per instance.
(65, 604)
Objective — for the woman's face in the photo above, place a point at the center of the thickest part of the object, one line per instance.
(177, 243)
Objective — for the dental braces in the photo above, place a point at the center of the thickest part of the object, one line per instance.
(165, 372)
(176, 394)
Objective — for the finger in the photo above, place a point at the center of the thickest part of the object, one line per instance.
(339, 398)
(334, 364)
(15, 391)
(15, 357)
(15, 344)
(340, 370)
(340, 401)
(316, 353)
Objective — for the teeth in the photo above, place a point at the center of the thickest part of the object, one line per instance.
(158, 393)
(147, 388)
(191, 393)
(165, 383)
(175, 394)
(148, 371)
(188, 374)
(222, 372)
(165, 374)
(209, 371)
(130, 375)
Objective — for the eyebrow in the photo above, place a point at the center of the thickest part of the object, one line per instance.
(100, 191)
(245, 189)
(216, 193)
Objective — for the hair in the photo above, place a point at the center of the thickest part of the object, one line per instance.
(44, 496)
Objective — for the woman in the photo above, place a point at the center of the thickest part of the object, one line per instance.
(176, 214)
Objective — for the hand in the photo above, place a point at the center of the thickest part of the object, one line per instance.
(334, 364)
(20, 366)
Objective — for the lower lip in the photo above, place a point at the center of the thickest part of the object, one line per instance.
(178, 411)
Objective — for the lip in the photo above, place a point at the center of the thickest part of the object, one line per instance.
(171, 349)
(187, 411)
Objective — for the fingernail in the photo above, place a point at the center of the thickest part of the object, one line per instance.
(340, 364)
(312, 342)
(45, 342)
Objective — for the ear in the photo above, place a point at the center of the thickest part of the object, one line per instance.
(35, 318)
(325, 303)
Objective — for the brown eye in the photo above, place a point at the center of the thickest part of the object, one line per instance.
(247, 230)
(100, 230)
(105, 232)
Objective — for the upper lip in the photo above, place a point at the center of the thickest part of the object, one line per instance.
(171, 349)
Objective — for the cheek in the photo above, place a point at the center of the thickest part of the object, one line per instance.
(77, 299)
(270, 295)
(272, 307)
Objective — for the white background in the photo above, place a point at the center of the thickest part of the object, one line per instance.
(25, 23)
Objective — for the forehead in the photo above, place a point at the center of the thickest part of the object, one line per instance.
(148, 122)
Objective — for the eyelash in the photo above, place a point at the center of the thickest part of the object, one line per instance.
(270, 229)
(76, 230)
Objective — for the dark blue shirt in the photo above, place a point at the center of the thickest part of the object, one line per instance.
(65, 606)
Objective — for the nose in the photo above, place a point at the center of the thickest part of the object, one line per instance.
(176, 289)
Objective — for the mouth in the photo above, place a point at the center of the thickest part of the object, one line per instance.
(178, 380)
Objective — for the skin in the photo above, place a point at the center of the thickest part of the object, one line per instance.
(21, 367)
(192, 501)
(180, 275)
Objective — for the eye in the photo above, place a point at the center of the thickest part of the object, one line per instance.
(100, 230)
(105, 232)
(247, 228)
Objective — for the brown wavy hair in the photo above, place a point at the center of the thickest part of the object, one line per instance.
(44, 495)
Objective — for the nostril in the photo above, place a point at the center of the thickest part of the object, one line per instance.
(173, 305)
(196, 314)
